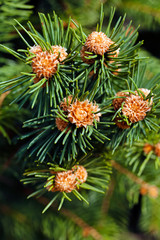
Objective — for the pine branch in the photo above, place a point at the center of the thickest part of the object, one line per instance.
(87, 230)
(145, 186)
(106, 201)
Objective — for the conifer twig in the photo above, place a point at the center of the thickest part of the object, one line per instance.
(5, 209)
(87, 229)
(152, 190)
(3, 96)
(126, 172)
(106, 201)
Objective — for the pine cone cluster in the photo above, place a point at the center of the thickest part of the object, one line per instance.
(152, 191)
(147, 148)
(45, 63)
(97, 43)
(134, 106)
(67, 181)
(80, 113)
(61, 124)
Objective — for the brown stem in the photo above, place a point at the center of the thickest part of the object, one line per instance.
(2, 97)
(146, 188)
(106, 201)
(87, 229)
(126, 172)
(5, 209)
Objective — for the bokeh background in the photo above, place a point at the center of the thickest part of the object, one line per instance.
(111, 216)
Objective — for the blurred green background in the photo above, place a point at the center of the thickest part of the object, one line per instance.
(111, 216)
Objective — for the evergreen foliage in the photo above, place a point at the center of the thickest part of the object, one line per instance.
(9, 10)
(48, 143)
(90, 118)
(144, 12)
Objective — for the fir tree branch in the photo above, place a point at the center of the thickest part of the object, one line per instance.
(107, 198)
(130, 175)
(87, 229)
(12, 212)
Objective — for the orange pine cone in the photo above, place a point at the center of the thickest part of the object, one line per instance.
(61, 124)
(36, 49)
(59, 52)
(157, 149)
(98, 43)
(82, 113)
(65, 104)
(153, 191)
(44, 64)
(144, 189)
(121, 124)
(36, 79)
(84, 55)
(135, 108)
(117, 102)
(65, 181)
(147, 148)
(81, 174)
